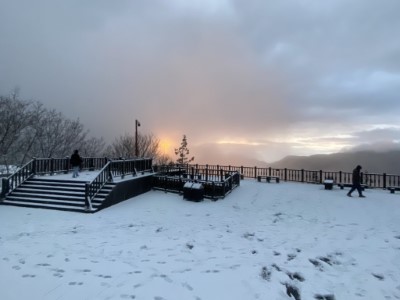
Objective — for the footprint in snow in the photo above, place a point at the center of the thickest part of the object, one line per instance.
(43, 265)
(124, 296)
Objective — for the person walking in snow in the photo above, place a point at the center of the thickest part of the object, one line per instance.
(76, 162)
(356, 182)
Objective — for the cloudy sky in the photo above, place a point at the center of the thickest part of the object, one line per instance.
(257, 79)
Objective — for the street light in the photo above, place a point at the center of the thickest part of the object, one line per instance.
(137, 124)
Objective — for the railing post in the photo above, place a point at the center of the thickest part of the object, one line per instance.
(91, 164)
(51, 166)
(34, 166)
(384, 180)
(269, 171)
(88, 205)
(66, 165)
(302, 175)
(241, 172)
(340, 177)
(207, 172)
(285, 174)
(221, 173)
(5, 188)
(255, 172)
(320, 176)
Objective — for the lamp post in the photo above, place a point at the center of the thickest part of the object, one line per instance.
(137, 124)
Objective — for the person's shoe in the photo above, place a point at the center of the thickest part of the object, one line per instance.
(348, 195)
(362, 196)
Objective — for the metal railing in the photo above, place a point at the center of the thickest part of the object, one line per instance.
(113, 169)
(20, 176)
(216, 183)
(372, 180)
(93, 188)
(51, 166)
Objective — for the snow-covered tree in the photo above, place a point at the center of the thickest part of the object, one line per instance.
(182, 152)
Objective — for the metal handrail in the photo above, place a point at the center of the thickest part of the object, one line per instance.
(373, 180)
(14, 180)
(93, 188)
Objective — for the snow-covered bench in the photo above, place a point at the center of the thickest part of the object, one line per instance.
(268, 178)
(328, 183)
(392, 189)
(343, 185)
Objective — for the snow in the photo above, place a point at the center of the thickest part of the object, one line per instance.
(89, 176)
(259, 240)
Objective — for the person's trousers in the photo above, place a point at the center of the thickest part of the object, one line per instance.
(75, 171)
(357, 187)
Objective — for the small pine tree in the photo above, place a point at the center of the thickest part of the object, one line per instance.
(183, 152)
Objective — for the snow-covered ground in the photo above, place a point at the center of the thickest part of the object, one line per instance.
(263, 241)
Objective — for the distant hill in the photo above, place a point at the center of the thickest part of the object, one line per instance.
(373, 162)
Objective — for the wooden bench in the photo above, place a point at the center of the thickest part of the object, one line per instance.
(268, 178)
(392, 189)
(343, 185)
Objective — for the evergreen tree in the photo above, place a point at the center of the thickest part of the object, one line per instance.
(183, 152)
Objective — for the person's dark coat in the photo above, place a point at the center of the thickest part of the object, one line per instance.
(75, 160)
(357, 175)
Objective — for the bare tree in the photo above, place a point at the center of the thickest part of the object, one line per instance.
(148, 146)
(93, 147)
(124, 146)
(56, 136)
(163, 159)
(16, 116)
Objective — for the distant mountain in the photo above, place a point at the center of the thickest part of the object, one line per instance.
(372, 162)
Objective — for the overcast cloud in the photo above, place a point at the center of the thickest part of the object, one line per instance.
(261, 79)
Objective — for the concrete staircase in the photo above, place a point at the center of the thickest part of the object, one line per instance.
(66, 195)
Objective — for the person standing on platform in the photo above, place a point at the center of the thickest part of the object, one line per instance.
(76, 163)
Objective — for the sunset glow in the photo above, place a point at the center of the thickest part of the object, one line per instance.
(166, 146)
(246, 81)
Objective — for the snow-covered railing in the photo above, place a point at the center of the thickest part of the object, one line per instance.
(20, 176)
(124, 167)
(373, 180)
(92, 188)
(115, 168)
(215, 186)
(50, 166)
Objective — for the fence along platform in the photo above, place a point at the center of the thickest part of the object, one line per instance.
(106, 171)
(216, 183)
(372, 180)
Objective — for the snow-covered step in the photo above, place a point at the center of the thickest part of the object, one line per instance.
(49, 187)
(47, 206)
(33, 199)
(50, 195)
(55, 194)
(49, 191)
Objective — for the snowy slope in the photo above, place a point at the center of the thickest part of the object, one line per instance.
(263, 241)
